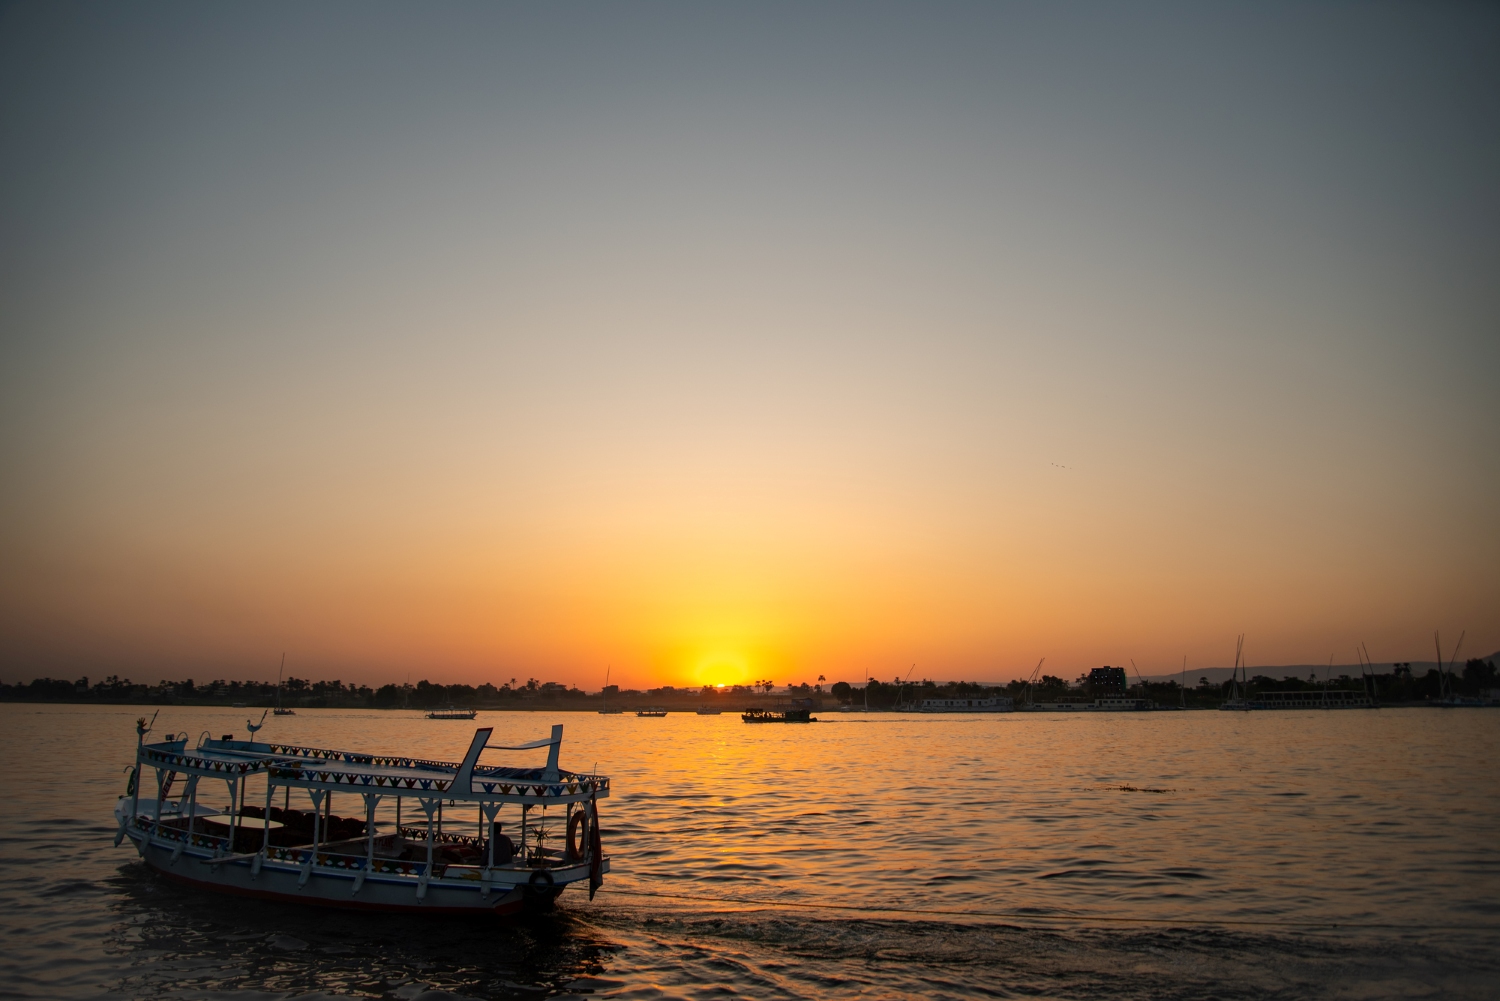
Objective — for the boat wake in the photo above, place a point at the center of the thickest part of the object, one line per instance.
(181, 942)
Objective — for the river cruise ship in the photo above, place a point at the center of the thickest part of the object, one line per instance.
(1105, 704)
(996, 704)
(302, 824)
(1313, 699)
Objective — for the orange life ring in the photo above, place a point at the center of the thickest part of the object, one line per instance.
(575, 844)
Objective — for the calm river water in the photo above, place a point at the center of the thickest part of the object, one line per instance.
(1165, 855)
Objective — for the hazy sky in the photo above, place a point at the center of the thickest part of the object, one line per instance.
(714, 342)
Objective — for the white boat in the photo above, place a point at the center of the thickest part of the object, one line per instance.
(256, 849)
(453, 713)
(1466, 702)
(996, 704)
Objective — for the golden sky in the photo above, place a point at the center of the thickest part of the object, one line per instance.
(707, 345)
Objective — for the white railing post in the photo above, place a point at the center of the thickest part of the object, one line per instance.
(428, 807)
(156, 814)
(312, 857)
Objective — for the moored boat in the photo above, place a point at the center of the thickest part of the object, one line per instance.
(1490, 700)
(652, 711)
(994, 704)
(424, 865)
(1107, 704)
(1318, 698)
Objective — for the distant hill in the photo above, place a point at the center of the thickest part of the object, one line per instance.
(1219, 675)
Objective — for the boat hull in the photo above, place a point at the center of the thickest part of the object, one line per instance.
(322, 886)
(1298, 701)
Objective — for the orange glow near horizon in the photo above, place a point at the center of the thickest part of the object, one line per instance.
(720, 669)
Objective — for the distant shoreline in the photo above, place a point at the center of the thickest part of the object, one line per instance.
(1404, 685)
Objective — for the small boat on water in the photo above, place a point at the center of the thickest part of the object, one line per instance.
(706, 711)
(453, 713)
(778, 716)
(279, 711)
(607, 711)
(651, 711)
(254, 848)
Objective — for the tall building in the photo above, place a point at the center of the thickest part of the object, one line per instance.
(1107, 681)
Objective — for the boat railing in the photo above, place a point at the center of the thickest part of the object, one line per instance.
(168, 831)
(442, 838)
(338, 860)
(395, 867)
(352, 757)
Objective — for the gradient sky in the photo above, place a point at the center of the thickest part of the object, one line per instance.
(714, 342)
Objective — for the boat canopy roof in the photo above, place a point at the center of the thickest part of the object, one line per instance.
(353, 771)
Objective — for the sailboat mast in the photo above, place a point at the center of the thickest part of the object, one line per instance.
(1031, 683)
(1234, 674)
(1442, 678)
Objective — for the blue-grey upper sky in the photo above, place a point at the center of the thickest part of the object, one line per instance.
(724, 340)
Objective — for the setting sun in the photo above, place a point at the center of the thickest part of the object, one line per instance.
(721, 670)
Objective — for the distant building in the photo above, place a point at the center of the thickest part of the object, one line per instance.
(1107, 681)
